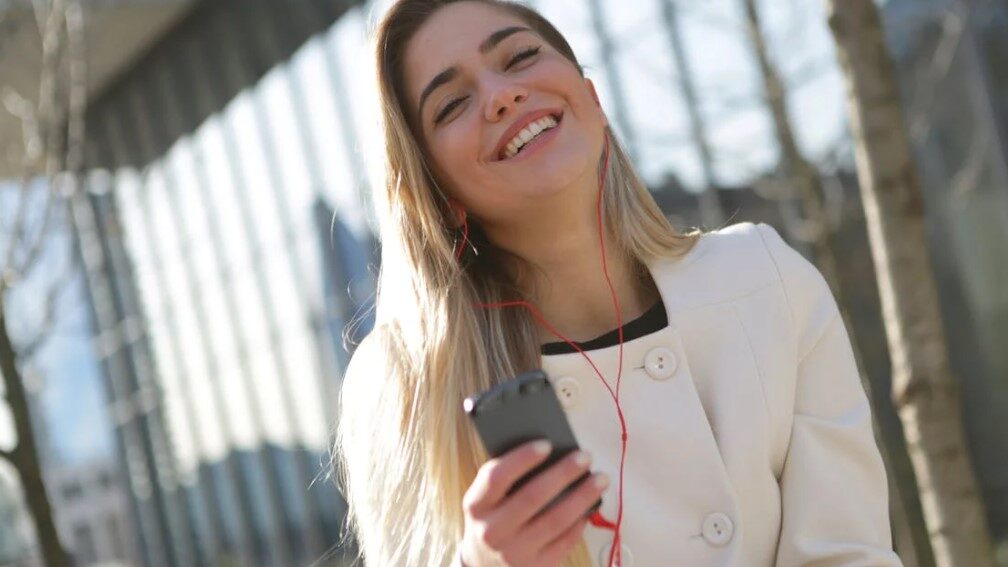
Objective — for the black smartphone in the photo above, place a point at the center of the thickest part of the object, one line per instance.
(521, 409)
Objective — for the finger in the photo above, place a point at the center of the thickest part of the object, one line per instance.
(533, 496)
(572, 509)
(557, 550)
(496, 476)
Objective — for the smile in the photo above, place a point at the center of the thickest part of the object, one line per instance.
(532, 137)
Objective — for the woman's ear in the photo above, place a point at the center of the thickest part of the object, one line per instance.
(594, 94)
(456, 213)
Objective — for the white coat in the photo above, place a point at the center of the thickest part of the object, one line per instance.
(749, 434)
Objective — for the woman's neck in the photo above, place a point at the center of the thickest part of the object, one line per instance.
(579, 304)
(559, 236)
(568, 285)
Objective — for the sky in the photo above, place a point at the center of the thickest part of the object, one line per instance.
(726, 78)
(64, 374)
(740, 133)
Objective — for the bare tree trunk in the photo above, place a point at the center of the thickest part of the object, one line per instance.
(711, 211)
(608, 52)
(925, 391)
(24, 456)
(813, 225)
(54, 131)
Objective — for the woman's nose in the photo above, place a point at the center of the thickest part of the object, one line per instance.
(504, 100)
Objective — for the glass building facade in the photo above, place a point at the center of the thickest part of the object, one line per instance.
(217, 286)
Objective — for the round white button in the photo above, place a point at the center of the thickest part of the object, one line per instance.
(660, 363)
(718, 529)
(568, 390)
(625, 559)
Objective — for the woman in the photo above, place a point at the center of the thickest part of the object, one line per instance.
(725, 422)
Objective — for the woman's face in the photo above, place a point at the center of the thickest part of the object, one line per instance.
(476, 76)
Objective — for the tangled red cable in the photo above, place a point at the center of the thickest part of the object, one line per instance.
(596, 518)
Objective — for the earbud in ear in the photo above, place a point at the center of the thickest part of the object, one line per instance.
(458, 219)
(458, 213)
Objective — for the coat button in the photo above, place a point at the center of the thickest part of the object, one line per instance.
(718, 529)
(660, 363)
(568, 390)
(625, 558)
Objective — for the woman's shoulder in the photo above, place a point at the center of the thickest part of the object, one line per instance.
(738, 260)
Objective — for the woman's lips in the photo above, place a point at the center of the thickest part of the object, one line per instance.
(534, 145)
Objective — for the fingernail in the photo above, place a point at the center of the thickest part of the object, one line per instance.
(582, 458)
(601, 480)
(542, 447)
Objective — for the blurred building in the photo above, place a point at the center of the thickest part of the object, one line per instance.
(89, 498)
(349, 275)
(14, 522)
(92, 513)
(217, 292)
(952, 58)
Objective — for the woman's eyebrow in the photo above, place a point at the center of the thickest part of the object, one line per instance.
(451, 72)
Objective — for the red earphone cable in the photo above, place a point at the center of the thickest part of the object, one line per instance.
(465, 236)
(596, 518)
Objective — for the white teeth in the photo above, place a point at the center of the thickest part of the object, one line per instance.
(527, 133)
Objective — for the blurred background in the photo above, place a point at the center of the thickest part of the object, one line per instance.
(187, 229)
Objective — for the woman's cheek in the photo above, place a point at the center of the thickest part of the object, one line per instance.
(462, 145)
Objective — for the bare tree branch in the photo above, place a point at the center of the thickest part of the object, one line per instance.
(49, 319)
(809, 71)
(27, 115)
(966, 179)
(40, 132)
(8, 272)
(61, 184)
(669, 139)
(924, 387)
(700, 12)
(77, 96)
(953, 28)
(43, 133)
(34, 245)
(53, 134)
(634, 33)
(21, 109)
(730, 103)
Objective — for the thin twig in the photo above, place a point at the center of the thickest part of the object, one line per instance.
(967, 177)
(49, 319)
(71, 162)
(953, 31)
(35, 245)
(40, 135)
(7, 273)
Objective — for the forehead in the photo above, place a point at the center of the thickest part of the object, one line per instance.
(448, 36)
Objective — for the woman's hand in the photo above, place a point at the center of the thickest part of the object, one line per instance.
(515, 531)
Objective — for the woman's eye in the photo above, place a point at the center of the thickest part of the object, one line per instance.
(522, 55)
(447, 109)
(518, 57)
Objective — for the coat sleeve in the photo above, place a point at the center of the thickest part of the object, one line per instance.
(834, 497)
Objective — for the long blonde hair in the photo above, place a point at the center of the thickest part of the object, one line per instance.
(405, 451)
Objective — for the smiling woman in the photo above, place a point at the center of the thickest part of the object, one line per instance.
(728, 404)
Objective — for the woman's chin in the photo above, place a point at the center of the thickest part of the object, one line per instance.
(560, 168)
